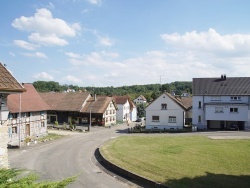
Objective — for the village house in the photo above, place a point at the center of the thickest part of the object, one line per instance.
(79, 107)
(168, 112)
(221, 103)
(27, 113)
(140, 100)
(8, 85)
(127, 111)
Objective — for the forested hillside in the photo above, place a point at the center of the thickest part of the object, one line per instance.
(150, 91)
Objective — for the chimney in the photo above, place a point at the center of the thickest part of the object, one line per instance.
(95, 97)
(225, 77)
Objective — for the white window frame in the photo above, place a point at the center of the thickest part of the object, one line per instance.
(234, 110)
(218, 109)
(154, 119)
(172, 119)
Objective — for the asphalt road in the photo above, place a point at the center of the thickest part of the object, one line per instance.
(73, 155)
(70, 156)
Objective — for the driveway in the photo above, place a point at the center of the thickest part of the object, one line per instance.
(69, 156)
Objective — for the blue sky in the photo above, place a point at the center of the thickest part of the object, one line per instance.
(124, 42)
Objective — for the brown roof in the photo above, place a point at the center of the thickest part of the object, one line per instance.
(98, 106)
(72, 101)
(221, 86)
(8, 82)
(143, 98)
(31, 101)
(120, 99)
(185, 102)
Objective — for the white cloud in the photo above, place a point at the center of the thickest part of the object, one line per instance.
(95, 2)
(43, 28)
(105, 41)
(210, 42)
(72, 79)
(47, 40)
(25, 45)
(37, 54)
(43, 76)
(73, 55)
(51, 5)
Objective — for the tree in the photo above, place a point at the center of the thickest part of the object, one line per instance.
(141, 110)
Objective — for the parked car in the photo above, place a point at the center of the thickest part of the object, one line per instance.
(234, 127)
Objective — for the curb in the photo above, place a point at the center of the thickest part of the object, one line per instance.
(140, 181)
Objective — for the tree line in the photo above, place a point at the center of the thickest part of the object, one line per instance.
(149, 91)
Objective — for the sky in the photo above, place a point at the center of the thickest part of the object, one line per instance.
(115, 43)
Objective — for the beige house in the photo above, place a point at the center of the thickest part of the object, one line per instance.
(8, 85)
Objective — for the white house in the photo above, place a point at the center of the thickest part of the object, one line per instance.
(124, 108)
(140, 100)
(221, 103)
(166, 112)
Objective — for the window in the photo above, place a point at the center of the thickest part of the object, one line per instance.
(14, 129)
(155, 118)
(235, 98)
(172, 119)
(199, 104)
(199, 119)
(14, 115)
(218, 109)
(42, 124)
(215, 98)
(107, 112)
(164, 106)
(234, 110)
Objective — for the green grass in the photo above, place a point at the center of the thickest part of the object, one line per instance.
(190, 161)
(50, 136)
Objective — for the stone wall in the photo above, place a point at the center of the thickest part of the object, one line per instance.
(4, 163)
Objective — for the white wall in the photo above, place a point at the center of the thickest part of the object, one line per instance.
(207, 110)
(123, 113)
(173, 109)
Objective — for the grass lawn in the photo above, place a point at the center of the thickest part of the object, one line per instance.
(183, 161)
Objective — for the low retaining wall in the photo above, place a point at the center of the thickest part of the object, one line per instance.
(141, 181)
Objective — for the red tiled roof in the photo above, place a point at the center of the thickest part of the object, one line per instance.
(98, 106)
(8, 82)
(72, 101)
(31, 101)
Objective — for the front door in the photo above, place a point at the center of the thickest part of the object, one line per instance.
(27, 129)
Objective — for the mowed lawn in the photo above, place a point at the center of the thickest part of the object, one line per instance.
(183, 161)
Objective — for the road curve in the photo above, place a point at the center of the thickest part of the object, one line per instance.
(69, 156)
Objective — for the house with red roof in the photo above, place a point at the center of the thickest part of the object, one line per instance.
(27, 113)
(8, 85)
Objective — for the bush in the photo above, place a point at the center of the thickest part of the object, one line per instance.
(15, 178)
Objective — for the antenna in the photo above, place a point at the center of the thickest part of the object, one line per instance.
(160, 81)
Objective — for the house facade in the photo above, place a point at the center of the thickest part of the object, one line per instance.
(102, 109)
(27, 116)
(166, 112)
(8, 85)
(126, 111)
(221, 103)
(140, 100)
(80, 108)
